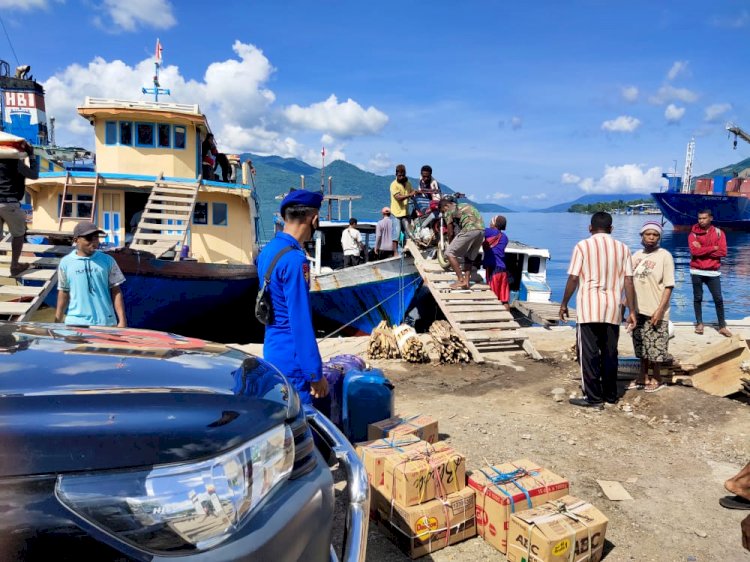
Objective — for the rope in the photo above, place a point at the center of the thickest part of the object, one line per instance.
(399, 292)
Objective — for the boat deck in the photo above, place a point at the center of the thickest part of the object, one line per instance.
(544, 313)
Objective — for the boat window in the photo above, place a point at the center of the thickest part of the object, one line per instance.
(126, 133)
(144, 134)
(110, 133)
(179, 136)
(164, 135)
(78, 206)
(200, 213)
(535, 263)
(219, 213)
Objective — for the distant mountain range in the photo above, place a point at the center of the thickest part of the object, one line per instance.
(275, 175)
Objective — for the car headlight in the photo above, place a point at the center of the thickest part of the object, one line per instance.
(174, 508)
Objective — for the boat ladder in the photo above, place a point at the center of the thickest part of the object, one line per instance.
(477, 316)
(21, 296)
(166, 218)
(68, 200)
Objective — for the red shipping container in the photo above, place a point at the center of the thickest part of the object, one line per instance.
(745, 186)
(733, 184)
(704, 186)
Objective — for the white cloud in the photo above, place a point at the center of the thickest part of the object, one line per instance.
(516, 123)
(233, 94)
(344, 119)
(629, 178)
(674, 114)
(736, 22)
(570, 178)
(669, 93)
(497, 196)
(679, 67)
(132, 15)
(379, 163)
(23, 5)
(536, 196)
(715, 112)
(623, 124)
(630, 93)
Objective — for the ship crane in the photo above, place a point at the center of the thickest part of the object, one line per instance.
(737, 132)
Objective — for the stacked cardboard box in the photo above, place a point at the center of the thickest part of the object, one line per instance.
(558, 531)
(418, 488)
(508, 488)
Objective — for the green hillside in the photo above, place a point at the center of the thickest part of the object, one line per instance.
(275, 175)
(729, 170)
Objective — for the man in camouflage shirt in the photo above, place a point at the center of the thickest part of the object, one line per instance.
(466, 244)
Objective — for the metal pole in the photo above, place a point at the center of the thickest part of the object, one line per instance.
(330, 192)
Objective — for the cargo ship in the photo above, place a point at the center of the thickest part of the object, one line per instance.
(727, 197)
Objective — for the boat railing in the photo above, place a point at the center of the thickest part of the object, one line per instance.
(92, 102)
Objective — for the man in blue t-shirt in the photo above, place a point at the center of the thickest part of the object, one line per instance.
(89, 282)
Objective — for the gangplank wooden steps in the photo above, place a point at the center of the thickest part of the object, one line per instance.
(544, 313)
(19, 301)
(478, 318)
(166, 218)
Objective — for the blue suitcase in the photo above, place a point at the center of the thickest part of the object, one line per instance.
(367, 397)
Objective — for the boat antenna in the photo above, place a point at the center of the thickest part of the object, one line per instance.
(9, 41)
(157, 89)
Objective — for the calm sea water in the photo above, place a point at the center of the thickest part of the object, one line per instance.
(559, 233)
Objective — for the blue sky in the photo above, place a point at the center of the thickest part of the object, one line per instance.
(523, 104)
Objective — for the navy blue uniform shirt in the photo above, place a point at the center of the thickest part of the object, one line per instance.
(289, 343)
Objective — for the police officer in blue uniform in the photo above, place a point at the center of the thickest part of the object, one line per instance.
(289, 342)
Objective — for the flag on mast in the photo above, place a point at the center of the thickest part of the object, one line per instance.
(323, 152)
(157, 53)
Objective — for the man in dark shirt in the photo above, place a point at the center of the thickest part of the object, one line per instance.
(13, 174)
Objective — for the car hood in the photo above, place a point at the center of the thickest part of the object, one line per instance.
(76, 399)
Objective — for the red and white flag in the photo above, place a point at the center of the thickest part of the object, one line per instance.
(157, 53)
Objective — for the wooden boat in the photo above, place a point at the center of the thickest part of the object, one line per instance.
(190, 263)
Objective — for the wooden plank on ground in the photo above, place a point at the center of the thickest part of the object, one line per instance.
(722, 376)
(711, 352)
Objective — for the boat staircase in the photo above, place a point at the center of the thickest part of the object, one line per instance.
(477, 316)
(166, 218)
(19, 299)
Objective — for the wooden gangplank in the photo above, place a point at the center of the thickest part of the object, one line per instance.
(18, 300)
(477, 316)
(544, 313)
(166, 217)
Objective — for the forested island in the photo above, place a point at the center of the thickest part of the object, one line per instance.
(618, 205)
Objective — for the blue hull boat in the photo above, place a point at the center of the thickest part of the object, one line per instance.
(681, 209)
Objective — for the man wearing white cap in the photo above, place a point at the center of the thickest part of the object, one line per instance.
(384, 235)
(653, 280)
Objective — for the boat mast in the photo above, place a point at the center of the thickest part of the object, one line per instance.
(323, 182)
(157, 89)
(688, 175)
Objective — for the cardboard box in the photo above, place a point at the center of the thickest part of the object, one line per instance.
(424, 427)
(417, 477)
(425, 528)
(509, 488)
(555, 530)
(374, 453)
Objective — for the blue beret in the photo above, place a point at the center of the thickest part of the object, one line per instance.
(302, 198)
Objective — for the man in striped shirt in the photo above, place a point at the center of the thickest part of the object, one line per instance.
(600, 269)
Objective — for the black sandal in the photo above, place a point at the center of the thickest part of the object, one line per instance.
(734, 502)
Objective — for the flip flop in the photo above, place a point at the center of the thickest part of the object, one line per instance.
(656, 388)
(635, 386)
(734, 502)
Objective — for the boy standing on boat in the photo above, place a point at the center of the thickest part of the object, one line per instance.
(401, 192)
(351, 243)
(600, 269)
(289, 343)
(13, 174)
(89, 282)
(466, 244)
(707, 246)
